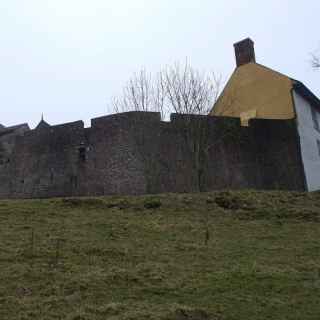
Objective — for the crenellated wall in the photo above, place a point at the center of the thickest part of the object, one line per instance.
(8, 138)
(136, 153)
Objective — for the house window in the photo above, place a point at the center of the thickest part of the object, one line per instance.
(315, 119)
(318, 144)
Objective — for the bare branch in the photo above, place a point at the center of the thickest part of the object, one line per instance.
(315, 61)
(178, 88)
(189, 91)
(142, 93)
(181, 89)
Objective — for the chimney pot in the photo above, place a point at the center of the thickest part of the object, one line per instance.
(244, 51)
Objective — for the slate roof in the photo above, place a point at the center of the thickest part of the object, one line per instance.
(42, 125)
(306, 93)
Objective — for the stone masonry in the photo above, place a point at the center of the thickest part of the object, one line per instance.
(137, 153)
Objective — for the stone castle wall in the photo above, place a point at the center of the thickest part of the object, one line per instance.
(136, 153)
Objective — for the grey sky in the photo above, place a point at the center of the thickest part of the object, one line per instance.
(66, 58)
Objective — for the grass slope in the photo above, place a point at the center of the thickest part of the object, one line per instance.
(225, 255)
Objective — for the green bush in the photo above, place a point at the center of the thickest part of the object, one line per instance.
(152, 204)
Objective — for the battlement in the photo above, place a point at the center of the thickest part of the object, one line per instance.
(18, 129)
(65, 127)
(126, 117)
(65, 131)
(137, 153)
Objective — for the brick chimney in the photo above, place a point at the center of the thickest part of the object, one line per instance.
(244, 51)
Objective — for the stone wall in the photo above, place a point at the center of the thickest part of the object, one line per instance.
(8, 138)
(136, 153)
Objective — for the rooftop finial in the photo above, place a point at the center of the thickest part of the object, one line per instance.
(42, 117)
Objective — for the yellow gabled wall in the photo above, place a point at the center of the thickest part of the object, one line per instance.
(255, 87)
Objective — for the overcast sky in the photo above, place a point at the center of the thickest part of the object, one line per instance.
(66, 58)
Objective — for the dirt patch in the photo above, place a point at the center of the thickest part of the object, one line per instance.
(232, 201)
(83, 203)
(182, 314)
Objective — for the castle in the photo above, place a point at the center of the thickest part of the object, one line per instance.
(137, 153)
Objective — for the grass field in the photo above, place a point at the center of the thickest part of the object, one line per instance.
(225, 255)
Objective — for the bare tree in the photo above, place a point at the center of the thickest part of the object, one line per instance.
(190, 92)
(160, 96)
(179, 89)
(141, 93)
(315, 59)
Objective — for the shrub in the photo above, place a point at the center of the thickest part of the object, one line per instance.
(152, 204)
(230, 201)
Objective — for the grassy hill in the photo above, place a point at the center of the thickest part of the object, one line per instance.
(225, 255)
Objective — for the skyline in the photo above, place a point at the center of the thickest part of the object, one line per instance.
(66, 59)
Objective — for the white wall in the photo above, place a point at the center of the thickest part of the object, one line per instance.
(308, 140)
